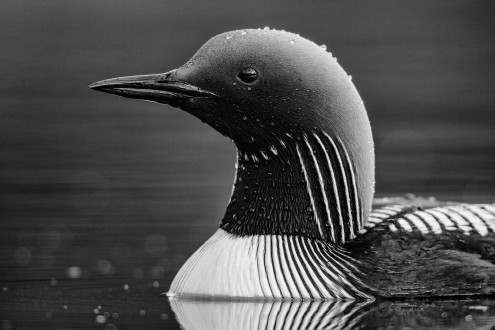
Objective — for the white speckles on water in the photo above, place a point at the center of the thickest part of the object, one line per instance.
(264, 155)
(74, 272)
(274, 150)
(156, 284)
(126, 287)
(228, 37)
(249, 88)
(100, 319)
(96, 311)
(481, 308)
(266, 29)
(142, 312)
(288, 134)
(104, 267)
(234, 83)
(244, 118)
(324, 47)
(292, 41)
(243, 32)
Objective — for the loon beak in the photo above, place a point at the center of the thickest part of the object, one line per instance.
(161, 87)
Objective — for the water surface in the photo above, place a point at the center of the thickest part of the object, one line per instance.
(102, 199)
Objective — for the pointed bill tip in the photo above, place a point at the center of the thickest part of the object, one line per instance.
(96, 85)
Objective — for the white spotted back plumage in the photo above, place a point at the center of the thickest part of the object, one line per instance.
(467, 219)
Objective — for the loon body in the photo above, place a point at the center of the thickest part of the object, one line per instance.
(299, 223)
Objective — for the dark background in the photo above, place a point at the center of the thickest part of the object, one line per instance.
(86, 177)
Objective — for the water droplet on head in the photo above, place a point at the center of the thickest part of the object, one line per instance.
(350, 77)
(228, 37)
(243, 32)
(324, 47)
(292, 41)
(266, 29)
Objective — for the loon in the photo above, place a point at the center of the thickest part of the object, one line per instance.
(299, 224)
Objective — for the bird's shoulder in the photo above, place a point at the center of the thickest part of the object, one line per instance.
(439, 249)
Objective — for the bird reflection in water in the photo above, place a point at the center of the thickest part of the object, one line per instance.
(346, 314)
(194, 314)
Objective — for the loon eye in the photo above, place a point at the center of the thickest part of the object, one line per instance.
(248, 75)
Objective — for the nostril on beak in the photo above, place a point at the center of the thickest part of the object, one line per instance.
(166, 77)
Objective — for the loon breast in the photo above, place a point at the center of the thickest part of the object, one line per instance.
(299, 224)
(269, 266)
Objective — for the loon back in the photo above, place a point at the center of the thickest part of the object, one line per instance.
(298, 223)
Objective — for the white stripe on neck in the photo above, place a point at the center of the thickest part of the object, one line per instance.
(310, 193)
(334, 186)
(323, 191)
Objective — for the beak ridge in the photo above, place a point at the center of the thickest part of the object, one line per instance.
(160, 87)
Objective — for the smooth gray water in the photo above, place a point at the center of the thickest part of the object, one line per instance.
(99, 192)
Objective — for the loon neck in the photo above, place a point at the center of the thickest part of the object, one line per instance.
(304, 186)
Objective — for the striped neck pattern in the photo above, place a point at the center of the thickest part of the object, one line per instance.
(331, 185)
(305, 185)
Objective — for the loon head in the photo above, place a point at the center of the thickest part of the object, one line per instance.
(305, 149)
